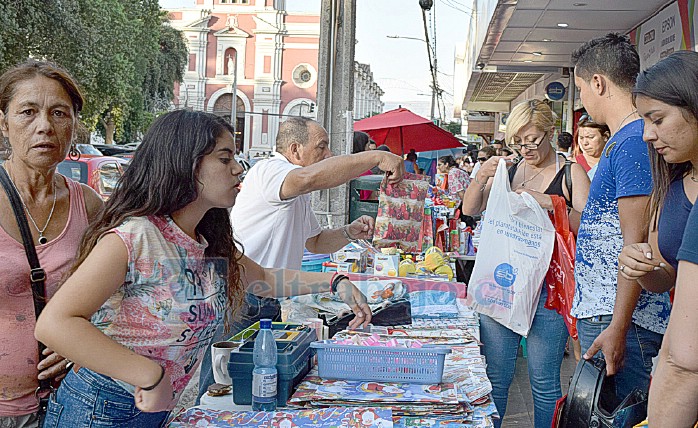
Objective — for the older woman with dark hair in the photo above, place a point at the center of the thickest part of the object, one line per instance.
(666, 96)
(39, 107)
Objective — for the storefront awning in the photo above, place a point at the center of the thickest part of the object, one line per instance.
(528, 39)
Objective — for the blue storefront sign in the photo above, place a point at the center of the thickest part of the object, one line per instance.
(555, 91)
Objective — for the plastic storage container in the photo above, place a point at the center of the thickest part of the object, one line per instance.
(293, 360)
(351, 362)
(313, 262)
(313, 265)
(289, 375)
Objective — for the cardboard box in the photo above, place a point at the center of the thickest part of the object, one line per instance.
(386, 265)
(344, 258)
(349, 266)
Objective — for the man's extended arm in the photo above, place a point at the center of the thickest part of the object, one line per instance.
(331, 240)
(337, 170)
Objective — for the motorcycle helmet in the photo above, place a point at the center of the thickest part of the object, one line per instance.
(592, 401)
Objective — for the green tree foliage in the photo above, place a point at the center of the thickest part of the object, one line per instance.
(124, 54)
(452, 127)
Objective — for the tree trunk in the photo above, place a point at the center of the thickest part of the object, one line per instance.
(109, 128)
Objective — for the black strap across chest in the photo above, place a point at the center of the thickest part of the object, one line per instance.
(37, 276)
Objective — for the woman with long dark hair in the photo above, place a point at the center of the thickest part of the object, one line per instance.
(666, 96)
(156, 273)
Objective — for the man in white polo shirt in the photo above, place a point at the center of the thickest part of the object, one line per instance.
(272, 217)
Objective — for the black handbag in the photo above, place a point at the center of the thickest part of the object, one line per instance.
(37, 277)
(395, 313)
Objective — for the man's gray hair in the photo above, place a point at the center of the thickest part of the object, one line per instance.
(293, 130)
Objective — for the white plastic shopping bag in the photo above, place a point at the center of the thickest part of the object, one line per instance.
(516, 245)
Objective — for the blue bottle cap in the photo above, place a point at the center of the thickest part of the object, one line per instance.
(265, 323)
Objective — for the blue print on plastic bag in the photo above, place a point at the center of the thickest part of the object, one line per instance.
(505, 275)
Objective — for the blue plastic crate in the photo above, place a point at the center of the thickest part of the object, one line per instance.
(351, 362)
(313, 265)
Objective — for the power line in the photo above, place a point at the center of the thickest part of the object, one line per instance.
(456, 7)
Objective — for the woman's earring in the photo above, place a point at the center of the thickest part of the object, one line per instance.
(74, 154)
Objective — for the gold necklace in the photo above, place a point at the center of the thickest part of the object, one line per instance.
(523, 183)
(42, 239)
(623, 121)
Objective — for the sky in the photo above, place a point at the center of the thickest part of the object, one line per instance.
(400, 66)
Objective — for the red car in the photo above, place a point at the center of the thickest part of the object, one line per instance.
(101, 173)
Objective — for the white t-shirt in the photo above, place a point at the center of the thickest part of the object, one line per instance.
(273, 232)
(476, 168)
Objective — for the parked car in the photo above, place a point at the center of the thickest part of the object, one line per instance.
(113, 149)
(89, 149)
(101, 173)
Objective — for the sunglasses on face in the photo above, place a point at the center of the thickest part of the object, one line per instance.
(585, 118)
(481, 159)
(529, 146)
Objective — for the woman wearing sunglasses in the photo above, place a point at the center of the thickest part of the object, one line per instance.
(590, 138)
(541, 173)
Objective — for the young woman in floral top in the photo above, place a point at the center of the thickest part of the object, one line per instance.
(458, 180)
(155, 274)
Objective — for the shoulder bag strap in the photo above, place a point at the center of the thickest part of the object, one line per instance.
(568, 177)
(37, 275)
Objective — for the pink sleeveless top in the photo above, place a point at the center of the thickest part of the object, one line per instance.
(18, 348)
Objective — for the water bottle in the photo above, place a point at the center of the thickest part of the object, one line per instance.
(264, 375)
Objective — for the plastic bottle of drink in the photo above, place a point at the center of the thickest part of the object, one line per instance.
(264, 375)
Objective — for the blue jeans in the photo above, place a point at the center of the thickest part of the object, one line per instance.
(641, 345)
(254, 309)
(89, 399)
(546, 347)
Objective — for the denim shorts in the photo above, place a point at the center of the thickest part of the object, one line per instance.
(89, 399)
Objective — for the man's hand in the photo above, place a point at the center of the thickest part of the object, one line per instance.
(361, 228)
(611, 342)
(53, 366)
(356, 300)
(393, 165)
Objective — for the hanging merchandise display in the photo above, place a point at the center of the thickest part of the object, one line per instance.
(401, 213)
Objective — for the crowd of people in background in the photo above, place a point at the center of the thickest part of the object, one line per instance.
(114, 328)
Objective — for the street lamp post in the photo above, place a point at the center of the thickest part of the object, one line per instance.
(234, 102)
